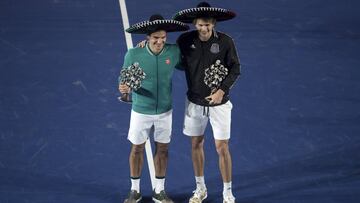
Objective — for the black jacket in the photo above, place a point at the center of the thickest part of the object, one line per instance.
(198, 55)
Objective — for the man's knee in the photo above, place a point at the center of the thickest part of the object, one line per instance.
(162, 149)
(137, 149)
(222, 148)
(197, 142)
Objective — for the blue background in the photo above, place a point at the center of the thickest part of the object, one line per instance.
(296, 116)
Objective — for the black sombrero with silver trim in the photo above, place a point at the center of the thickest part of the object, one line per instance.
(156, 23)
(204, 10)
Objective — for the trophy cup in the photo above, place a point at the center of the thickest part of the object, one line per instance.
(214, 75)
(131, 76)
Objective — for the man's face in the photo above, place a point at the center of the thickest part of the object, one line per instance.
(157, 41)
(204, 28)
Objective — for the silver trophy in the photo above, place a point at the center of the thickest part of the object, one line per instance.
(131, 76)
(214, 75)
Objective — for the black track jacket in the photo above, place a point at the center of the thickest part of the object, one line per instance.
(198, 55)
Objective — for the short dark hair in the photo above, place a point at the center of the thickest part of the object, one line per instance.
(155, 30)
(206, 19)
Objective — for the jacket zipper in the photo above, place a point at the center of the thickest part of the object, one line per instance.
(157, 84)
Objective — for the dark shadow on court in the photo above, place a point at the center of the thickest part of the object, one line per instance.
(29, 182)
(313, 175)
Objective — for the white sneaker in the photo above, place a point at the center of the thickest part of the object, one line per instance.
(198, 196)
(228, 199)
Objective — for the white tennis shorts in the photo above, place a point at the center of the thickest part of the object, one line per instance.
(141, 126)
(220, 119)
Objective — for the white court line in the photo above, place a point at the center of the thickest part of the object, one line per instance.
(129, 44)
(125, 20)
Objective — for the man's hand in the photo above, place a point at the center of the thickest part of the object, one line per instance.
(141, 44)
(124, 89)
(216, 98)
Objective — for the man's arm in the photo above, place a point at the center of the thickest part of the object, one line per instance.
(179, 65)
(233, 65)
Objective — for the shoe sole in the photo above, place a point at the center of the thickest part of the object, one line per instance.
(138, 200)
(156, 201)
(202, 199)
(225, 201)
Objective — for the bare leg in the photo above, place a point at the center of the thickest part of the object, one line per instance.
(197, 153)
(136, 159)
(225, 164)
(161, 159)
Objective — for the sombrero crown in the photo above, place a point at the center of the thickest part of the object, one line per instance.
(156, 23)
(204, 10)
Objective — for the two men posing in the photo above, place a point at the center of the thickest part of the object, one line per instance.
(195, 51)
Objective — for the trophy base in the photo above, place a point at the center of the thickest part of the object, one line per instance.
(125, 98)
(125, 101)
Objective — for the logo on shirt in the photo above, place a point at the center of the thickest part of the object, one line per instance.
(215, 48)
(167, 61)
(193, 46)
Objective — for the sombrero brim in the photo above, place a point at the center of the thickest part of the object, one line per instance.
(188, 15)
(146, 27)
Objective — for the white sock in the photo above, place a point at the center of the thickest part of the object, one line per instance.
(200, 182)
(227, 191)
(159, 184)
(135, 184)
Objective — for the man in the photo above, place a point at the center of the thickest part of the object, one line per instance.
(151, 106)
(200, 49)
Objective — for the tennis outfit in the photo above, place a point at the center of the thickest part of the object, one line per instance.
(152, 102)
(196, 57)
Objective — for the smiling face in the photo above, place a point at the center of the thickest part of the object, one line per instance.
(205, 27)
(157, 41)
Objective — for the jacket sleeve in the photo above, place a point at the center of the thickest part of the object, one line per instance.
(233, 65)
(127, 63)
(179, 65)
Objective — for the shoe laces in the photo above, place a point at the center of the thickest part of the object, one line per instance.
(162, 195)
(229, 199)
(198, 193)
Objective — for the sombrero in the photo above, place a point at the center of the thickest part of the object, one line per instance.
(156, 23)
(203, 10)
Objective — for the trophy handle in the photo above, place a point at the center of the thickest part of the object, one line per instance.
(125, 98)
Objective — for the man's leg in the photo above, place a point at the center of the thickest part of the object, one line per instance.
(220, 119)
(198, 159)
(197, 155)
(160, 162)
(225, 165)
(222, 148)
(136, 159)
(194, 126)
(162, 137)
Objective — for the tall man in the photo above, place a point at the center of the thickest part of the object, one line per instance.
(152, 105)
(200, 49)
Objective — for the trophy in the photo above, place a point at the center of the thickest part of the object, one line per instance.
(131, 76)
(214, 75)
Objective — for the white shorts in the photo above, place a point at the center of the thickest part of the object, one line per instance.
(220, 119)
(141, 125)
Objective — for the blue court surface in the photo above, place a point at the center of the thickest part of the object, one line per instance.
(295, 122)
